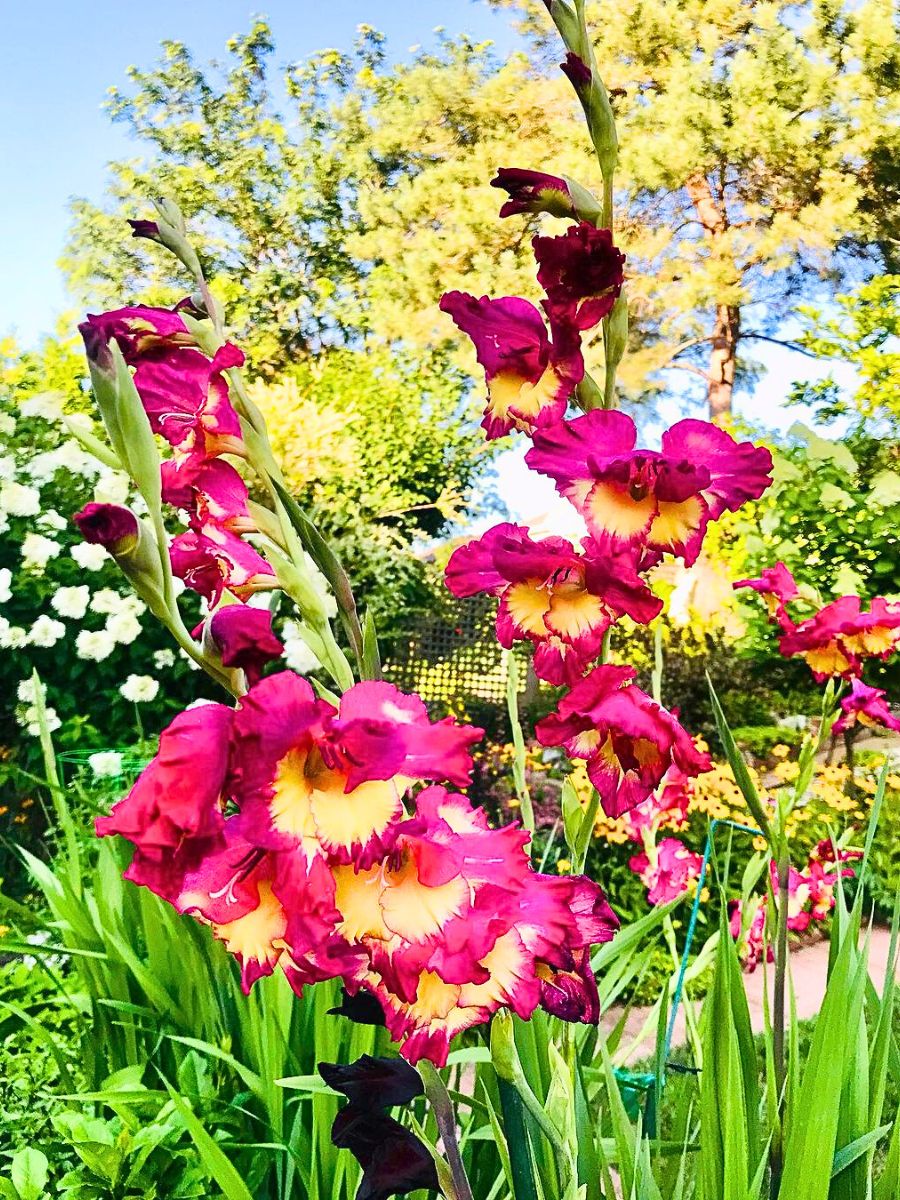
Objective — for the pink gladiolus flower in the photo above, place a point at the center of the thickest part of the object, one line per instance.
(668, 871)
(649, 500)
(185, 395)
(533, 192)
(668, 809)
(558, 599)
(173, 814)
(529, 378)
(310, 776)
(839, 636)
(777, 587)
(280, 825)
(242, 637)
(215, 559)
(139, 330)
(868, 706)
(628, 741)
(581, 272)
(210, 489)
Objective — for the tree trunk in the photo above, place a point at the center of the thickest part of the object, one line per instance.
(726, 333)
(710, 210)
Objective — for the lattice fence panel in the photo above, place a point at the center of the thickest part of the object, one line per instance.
(455, 656)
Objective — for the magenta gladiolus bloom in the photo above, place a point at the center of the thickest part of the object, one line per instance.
(533, 192)
(839, 636)
(138, 330)
(668, 871)
(650, 500)
(559, 599)
(529, 378)
(628, 741)
(777, 587)
(216, 559)
(581, 271)
(281, 825)
(866, 705)
(242, 637)
(185, 395)
(210, 489)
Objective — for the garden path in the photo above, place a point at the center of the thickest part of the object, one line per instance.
(809, 967)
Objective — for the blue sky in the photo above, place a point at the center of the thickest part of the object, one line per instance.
(59, 57)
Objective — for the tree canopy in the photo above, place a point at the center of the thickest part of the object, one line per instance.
(343, 196)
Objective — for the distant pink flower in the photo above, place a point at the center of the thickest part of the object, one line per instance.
(550, 594)
(798, 917)
(667, 809)
(752, 940)
(628, 741)
(839, 636)
(652, 501)
(667, 871)
(777, 587)
(533, 192)
(866, 705)
(529, 378)
(581, 271)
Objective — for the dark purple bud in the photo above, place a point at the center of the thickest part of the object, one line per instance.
(363, 1008)
(374, 1083)
(109, 525)
(572, 995)
(145, 229)
(576, 71)
(96, 347)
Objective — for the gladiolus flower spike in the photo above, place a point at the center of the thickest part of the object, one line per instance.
(285, 825)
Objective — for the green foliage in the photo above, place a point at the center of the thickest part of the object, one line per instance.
(380, 454)
(862, 331)
(759, 740)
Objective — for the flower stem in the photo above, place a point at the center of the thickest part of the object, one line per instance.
(443, 1113)
(778, 1006)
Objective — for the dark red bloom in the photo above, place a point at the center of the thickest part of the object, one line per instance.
(581, 271)
(242, 637)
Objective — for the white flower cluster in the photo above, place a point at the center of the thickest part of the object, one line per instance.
(140, 689)
(27, 709)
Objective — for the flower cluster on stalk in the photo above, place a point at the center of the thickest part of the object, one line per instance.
(835, 640)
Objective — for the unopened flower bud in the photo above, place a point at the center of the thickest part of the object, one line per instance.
(170, 230)
(112, 526)
(132, 544)
(145, 229)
